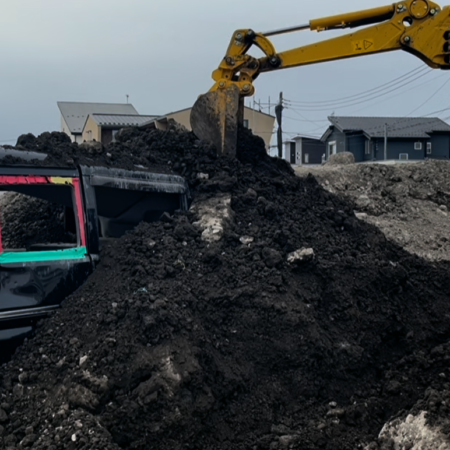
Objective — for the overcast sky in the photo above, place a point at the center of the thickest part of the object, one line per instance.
(162, 54)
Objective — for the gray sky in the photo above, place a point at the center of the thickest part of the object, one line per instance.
(162, 53)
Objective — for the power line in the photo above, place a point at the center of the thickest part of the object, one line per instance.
(292, 132)
(370, 92)
(354, 103)
(302, 120)
(401, 93)
(415, 72)
(435, 112)
(303, 117)
(429, 98)
(420, 68)
(314, 129)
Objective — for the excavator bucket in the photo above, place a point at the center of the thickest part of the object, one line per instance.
(215, 118)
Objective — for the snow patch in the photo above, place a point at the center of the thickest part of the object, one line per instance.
(413, 433)
(213, 213)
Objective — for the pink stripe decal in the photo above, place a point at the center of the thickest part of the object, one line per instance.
(1, 243)
(23, 180)
(79, 205)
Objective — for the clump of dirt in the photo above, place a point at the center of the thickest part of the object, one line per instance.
(302, 327)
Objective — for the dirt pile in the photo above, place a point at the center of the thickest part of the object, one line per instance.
(408, 202)
(166, 151)
(302, 327)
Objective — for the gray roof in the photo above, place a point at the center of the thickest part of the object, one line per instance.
(397, 127)
(120, 120)
(75, 113)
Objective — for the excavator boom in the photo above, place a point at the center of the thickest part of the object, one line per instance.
(420, 27)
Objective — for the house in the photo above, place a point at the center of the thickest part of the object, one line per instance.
(100, 121)
(388, 138)
(103, 127)
(260, 123)
(304, 150)
(75, 114)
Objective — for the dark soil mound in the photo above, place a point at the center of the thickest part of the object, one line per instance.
(156, 150)
(176, 343)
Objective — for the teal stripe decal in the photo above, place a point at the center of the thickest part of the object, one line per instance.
(52, 255)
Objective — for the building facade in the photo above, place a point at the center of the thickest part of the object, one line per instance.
(303, 150)
(103, 127)
(388, 138)
(75, 114)
(100, 121)
(260, 123)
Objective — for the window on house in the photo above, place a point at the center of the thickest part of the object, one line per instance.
(403, 156)
(332, 148)
(428, 148)
(245, 123)
(417, 145)
(306, 158)
(368, 147)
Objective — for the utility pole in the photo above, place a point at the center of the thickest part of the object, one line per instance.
(279, 116)
(385, 141)
(127, 97)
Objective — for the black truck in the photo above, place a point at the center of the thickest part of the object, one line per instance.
(44, 259)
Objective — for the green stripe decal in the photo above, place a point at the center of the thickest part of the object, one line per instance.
(52, 255)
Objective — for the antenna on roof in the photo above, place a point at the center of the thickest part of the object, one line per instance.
(127, 97)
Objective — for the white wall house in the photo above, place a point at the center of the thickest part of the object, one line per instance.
(260, 123)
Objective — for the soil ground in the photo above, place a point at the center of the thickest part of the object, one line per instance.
(409, 203)
(178, 342)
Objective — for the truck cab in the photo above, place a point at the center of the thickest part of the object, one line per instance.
(52, 221)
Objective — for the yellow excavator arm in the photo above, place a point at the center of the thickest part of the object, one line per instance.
(420, 27)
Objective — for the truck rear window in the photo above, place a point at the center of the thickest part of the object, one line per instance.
(41, 218)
